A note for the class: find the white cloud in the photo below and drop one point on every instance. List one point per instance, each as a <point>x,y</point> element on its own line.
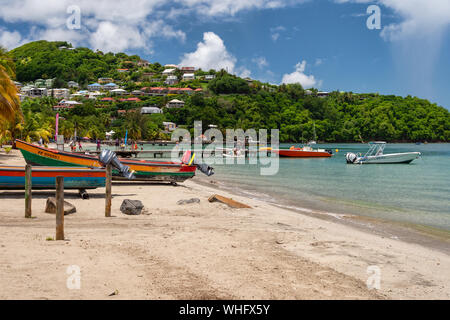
<point>10,40</point>
<point>416,39</point>
<point>108,25</point>
<point>112,37</point>
<point>419,17</point>
<point>318,62</point>
<point>243,72</point>
<point>211,53</point>
<point>298,76</point>
<point>275,32</point>
<point>261,62</point>
<point>231,7</point>
<point>118,24</point>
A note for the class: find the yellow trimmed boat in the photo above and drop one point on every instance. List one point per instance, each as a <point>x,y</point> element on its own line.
<point>143,170</point>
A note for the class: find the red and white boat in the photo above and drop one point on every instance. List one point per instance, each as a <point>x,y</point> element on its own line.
<point>305,152</point>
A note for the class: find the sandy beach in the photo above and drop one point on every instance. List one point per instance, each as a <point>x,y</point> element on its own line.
<point>203,251</point>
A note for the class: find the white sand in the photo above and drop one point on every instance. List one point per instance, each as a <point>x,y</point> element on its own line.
<point>202,251</point>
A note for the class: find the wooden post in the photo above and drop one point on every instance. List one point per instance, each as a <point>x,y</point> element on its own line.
<point>108,191</point>
<point>59,208</point>
<point>28,195</point>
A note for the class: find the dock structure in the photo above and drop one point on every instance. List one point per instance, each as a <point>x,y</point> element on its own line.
<point>164,153</point>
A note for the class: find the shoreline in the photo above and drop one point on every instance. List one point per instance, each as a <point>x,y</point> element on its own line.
<point>204,251</point>
<point>434,238</point>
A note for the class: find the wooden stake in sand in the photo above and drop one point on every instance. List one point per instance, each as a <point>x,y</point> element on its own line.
<point>28,196</point>
<point>228,201</point>
<point>108,191</point>
<point>59,208</point>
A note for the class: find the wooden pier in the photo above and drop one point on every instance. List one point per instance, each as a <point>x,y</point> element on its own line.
<point>162,153</point>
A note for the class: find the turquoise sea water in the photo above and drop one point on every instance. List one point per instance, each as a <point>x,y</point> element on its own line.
<point>417,193</point>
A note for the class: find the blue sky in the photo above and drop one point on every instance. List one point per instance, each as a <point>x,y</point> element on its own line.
<point>320,43</point>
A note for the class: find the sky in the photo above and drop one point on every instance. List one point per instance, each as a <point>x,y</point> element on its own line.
<point>325,44</point>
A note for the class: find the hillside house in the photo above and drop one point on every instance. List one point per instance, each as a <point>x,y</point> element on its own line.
<point>175,103</point>
<point>188,70</point>
<point>105,80</point>
<point>143,63</point>
<point>151,110</point>
<point>168,72</point>
<point>95,87</point>
<point>37,92</point>
<point>171,80</point>
<point>66,104</point>
<point>49,83</point>
<point>39,83</point>
<point>188,77</point>
<point>110,86</point>
<point>323,94</point>
<point>169,126</point>
<point>73,84</point>
<point>171,66</point>
<point>59,93</point>
<point>119,92</point>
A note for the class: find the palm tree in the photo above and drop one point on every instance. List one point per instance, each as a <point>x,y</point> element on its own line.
<point>9,99</point>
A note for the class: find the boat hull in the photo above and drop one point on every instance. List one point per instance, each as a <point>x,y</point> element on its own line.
<point>393,158</point>
<point>302,154</point>
<point>13,178</point>
<point>144,170</point>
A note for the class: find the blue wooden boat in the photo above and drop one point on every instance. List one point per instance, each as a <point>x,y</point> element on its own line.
<point>13,178</point>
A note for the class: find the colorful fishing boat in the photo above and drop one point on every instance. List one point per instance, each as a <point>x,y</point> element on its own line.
<point>13,178</point>
<point>305,152</point>
<point>143,170</point>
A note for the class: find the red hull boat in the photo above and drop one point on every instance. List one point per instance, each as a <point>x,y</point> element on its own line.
<point>305,152</point>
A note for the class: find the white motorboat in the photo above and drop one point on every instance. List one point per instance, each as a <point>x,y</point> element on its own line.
<point>376,155</point>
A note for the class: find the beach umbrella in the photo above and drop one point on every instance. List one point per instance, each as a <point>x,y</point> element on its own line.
<point>126,137</point>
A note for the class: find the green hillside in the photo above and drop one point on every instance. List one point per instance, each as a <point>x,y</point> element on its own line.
<point>45,60</point>
<point>228,102</point>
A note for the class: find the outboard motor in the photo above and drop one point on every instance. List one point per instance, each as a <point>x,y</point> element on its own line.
<point>203,167</point>
<point>351,157</point>
<point>109,157</point>
<point>189,159</point>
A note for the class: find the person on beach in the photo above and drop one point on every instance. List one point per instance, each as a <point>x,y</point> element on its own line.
<point>117,144</point>
<point>98,145</point>
<point>72,145</point>
<point>80,148</point>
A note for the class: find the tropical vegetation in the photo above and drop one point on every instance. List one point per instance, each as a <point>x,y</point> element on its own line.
<point>226,102</point>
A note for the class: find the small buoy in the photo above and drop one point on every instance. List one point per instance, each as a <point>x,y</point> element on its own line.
<point>337,150</point>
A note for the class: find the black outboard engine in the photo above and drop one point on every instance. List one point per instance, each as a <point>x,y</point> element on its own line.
<point>203,167</point>
<point>109,157</point>
<point>351,157</point>
<point>189,159</point>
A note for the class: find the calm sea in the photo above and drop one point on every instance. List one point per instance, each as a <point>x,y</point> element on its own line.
<point>416,193</point>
